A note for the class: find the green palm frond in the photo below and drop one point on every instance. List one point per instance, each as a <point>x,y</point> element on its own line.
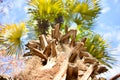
<point>99,49</point>
<point>12,37</point>
<point>44,12</point>
<point>46,9</point>
<point>85,12</point>
<point>96,46</point>
<point>81,12</point>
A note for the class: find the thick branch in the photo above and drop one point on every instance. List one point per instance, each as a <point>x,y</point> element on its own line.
<point>53,49</point>
<point>72,72</point>
<point>43,41</point>
<point>67,36</point>
<point>37,52</point>
<point>88,73</point>
<point>57,32</point>
<point>47,50</point>
<point>90,60</point>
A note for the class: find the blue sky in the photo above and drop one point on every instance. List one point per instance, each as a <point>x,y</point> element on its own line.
<point>107,24</point>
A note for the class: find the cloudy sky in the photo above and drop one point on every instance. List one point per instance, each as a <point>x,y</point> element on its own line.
<point>108,24</point>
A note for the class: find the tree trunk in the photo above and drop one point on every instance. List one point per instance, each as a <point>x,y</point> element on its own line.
<point>60,57</point>
<point>43,26</point>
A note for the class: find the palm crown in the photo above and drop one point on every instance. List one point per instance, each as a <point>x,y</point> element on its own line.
<point>48,12</point>
<point>11,36</point>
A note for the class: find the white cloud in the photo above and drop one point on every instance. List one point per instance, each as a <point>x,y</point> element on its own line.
<point>105,10</point>
<point>117,51</point>
<point>108,35</point>
<point>6,10</point>
<point>112,34</point>
<point>116,67</point>
<point>109,32</point>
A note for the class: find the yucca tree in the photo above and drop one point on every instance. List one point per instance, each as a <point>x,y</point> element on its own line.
<point>11,37</point>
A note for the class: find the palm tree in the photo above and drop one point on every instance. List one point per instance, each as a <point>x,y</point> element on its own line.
<point>45,13</point>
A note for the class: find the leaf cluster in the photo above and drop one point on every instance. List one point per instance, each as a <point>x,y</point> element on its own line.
<point>11,36</point>
<point>80,12</point>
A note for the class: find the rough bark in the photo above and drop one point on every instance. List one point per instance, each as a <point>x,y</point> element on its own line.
<point>60,57</point>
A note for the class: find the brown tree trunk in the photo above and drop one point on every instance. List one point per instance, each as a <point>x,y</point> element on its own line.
<point>60,57</point>
<point>43,26</point>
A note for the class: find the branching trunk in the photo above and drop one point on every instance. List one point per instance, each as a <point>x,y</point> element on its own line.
<point>60,57</point>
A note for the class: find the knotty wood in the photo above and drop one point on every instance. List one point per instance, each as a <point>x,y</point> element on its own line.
<point>84,54</point>
<point>53,33</point>
<point>34,44</point>
<point>72,72</point>
<point>73,57</point>
<point>66,31</point>
<point>90,60</point>
<point>37,52</point>
<point>62,71</point>
<point>27,54</point>
<point>47,50</point>
<point>72,43</point>
<point>101,69</point>
<point>87,73</point>
<point>65,37</point>
<point>75,63</point>
<point>43,41</point>
<point>81,65</point>
<point>76,51</point>
<point>57,32</point>
<point>53,49</point>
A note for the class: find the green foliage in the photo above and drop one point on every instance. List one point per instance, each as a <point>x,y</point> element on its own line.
<point>45,12</point>
<point>82,12</point>
<point>50,12</point>
<point>46,9</point>
<point>96,46</point>
<point>11,37</point>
